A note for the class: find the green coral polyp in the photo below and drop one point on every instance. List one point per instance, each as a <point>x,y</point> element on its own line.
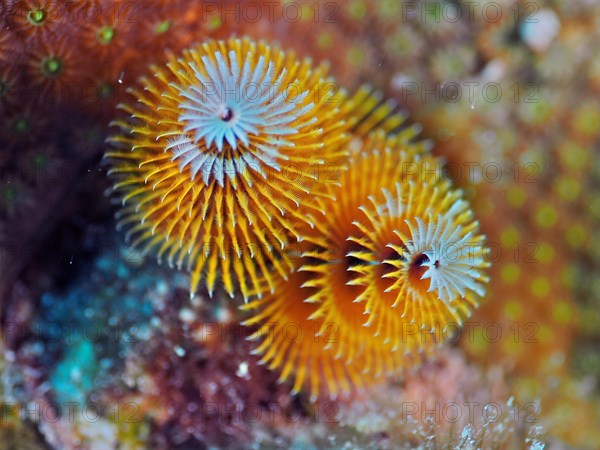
<point>37,17</point>
<point>10,194</point>
<point>106,90</point>
<point>52,66</point>
<point>40,161</point>
<point>21,125</point>
<point>162,27</point>
<point>106,35</point>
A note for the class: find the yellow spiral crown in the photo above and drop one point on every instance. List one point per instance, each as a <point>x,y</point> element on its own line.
<point>224,155</point>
